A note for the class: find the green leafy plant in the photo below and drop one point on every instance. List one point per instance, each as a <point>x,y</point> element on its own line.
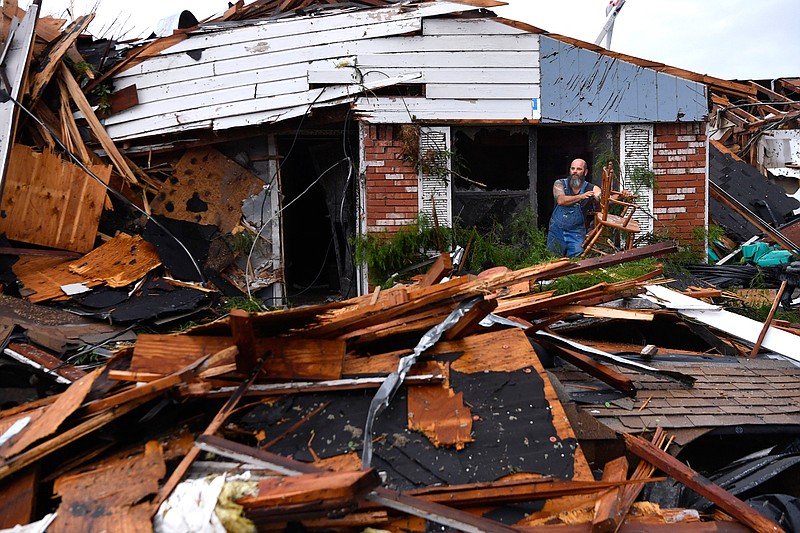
<point>103,94</point>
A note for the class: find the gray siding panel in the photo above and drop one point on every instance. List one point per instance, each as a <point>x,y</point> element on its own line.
<point>580,85</point>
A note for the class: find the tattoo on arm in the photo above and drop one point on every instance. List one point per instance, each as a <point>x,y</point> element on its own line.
<point>558,189</point>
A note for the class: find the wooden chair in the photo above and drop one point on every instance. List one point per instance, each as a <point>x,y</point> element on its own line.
<point>604,220</point>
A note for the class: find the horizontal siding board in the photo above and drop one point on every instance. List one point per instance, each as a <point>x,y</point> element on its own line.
<point>495,91</point>
<point>164,77</point>
<point>448,59</point>
<point>455,43</point>
<point>178,105</point>
<point>462,26</point>
<point>276,77</point>
<point>401,110</point>
<point>466,75</point>
<point>497,77</point>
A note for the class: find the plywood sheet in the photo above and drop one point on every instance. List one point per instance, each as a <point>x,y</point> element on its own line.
<point>119,262</point>
<point>207,188</point>
<point>51,202</point>
<point>42,277</point>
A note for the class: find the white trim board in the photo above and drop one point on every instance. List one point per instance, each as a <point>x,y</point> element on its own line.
<point>741,327</point>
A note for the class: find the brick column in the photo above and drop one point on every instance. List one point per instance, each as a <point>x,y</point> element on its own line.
<point>391,183</point>
<point>679,163</point>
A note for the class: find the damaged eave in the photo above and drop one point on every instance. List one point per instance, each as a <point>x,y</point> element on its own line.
<point>251,74</point>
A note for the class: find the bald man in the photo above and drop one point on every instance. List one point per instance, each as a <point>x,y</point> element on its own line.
<point>574,198</point>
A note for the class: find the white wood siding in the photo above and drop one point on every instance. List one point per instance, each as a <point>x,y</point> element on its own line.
<point>637,152</point>
<point>270,71</point>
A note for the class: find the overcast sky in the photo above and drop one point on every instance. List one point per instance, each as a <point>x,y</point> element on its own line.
<point>732,39</point>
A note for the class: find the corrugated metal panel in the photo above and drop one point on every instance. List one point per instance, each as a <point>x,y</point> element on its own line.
<point>434,188</point>
<point>637,152</point>
<point>580,85</point>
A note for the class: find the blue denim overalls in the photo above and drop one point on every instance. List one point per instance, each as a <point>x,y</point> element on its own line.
<point>567,224</point>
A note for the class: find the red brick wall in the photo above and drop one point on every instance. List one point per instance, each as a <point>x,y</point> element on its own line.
<point>391,182</point>
<point>679,162</point>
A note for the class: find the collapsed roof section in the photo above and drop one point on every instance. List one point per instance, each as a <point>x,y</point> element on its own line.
<point>763,127</point>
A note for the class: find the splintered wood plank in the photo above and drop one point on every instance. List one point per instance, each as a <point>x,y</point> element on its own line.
<point>470,322</point>
<point>107,498</point>
<point>324,490</point>
<point>437,271</point>
<point>52,417</point>
<point>290,358</point>
<point>49,64</point>
<point>441,415</point>
<point>207,188</point>
<point>608,512</point>
<point>119,262</point>
<point>49,364</point>
<point>723,499</point>
<point>94,124</point>
<point>66,437</point>
<point>50,201</point>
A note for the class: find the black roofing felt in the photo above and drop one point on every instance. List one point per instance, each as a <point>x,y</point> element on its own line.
<point>513,432</point>
<point>749,187</point>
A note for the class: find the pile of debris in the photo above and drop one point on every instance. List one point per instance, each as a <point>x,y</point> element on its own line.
<point>474,402</point>
<point>420,403</point>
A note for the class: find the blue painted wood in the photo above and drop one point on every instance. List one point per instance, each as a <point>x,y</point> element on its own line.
<point>580,85</point>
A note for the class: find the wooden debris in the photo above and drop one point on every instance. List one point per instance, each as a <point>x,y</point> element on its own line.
<point>287,498</point>
<point>607,512</point>
<point>119,262</point>
<point>438,271</point>
<point>49,418</point>
<point>31,355</point>
<point>291,358</point>
<point>42,183</point>
<point>49,65</point>
<point>440,414</point>
<point>97,129</point>
<point>18,498</point>
<point>207,188</point>
<point>768,321</point>
<point>593,368</point>
<point>701,485</point>
<point>97,500</point>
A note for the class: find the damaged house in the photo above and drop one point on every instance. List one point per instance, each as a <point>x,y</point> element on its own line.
<point>350,119</point>
<point>246,151</point>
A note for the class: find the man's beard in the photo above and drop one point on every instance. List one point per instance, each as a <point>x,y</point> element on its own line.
<point>575,182</point>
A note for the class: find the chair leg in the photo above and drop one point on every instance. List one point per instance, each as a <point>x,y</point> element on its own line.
<point>628,240</point>
<point>598,230</point>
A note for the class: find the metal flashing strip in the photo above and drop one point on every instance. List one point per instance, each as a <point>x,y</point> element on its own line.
<point>394,380</point>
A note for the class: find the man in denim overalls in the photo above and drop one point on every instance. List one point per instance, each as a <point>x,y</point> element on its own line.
<point>574,199</point>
